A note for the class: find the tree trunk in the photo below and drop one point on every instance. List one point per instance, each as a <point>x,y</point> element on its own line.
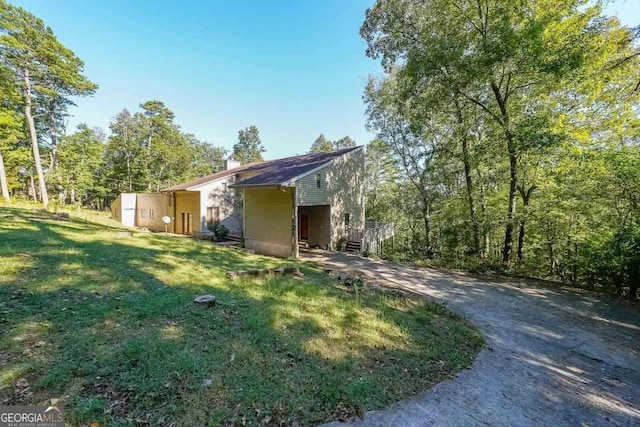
<point>34,140</point>
<point>3,181</point>
<point>469,181</point>
<point>129,174</point>
<point>486,249</point>
<point>552,259</point>
<point>426,215</point>
<point>526,197</point>
<point>32,189</point>
<point>513,174</point>
<point>73,196</point>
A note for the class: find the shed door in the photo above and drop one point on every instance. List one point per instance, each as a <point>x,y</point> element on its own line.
<point>186,223</point>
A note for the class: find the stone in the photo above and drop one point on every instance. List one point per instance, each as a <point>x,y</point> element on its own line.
<point>63,215</point>
<point>232,275</point>
<point>397,292</point>
<point>205,300</point>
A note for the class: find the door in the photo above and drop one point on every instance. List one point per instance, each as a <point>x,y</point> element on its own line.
<point>303,226</point>
<point>186,223</point>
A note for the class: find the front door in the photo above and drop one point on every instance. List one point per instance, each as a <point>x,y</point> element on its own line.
<point>186,223</point>
<point>303,226</point>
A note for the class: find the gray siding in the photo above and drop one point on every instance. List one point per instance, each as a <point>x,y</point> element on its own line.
<point>308,192</point>
<point>342,187</point>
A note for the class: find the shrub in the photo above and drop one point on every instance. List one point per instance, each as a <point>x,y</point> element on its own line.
<point>220,232</point>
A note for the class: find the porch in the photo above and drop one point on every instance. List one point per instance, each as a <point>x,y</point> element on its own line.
<point>371,238</point>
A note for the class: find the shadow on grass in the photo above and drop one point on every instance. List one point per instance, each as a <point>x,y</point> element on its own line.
<point>106,324</point>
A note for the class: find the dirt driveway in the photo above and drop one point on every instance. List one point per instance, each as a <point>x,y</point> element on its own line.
<point>553,358</point>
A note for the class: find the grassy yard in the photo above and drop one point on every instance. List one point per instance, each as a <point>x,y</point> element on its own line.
<point>103,323</point>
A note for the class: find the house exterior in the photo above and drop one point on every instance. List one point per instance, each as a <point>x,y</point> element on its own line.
<point>142,210</point>
<point>271,206</point>
<point>313,198</point>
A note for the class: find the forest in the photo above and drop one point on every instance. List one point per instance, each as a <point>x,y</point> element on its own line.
<point>507,135</point>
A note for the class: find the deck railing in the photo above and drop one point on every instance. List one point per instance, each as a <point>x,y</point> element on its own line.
<point>372,236</point>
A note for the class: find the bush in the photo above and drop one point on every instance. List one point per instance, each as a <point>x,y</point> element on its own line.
<point>220,232</point>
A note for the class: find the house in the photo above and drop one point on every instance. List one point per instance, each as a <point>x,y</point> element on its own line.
<point>272,206</point>
<point>143,210</point>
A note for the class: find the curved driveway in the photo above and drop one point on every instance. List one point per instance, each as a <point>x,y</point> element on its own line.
<point>552,357</point>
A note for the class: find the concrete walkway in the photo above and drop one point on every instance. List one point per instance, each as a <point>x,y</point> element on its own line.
<point>553,357</point>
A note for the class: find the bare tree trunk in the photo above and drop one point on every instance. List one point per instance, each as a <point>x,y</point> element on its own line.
<point>73,196</point>
<point>511,213</point>
<point>34,140</point>
<point>526,197</point>
<point>513,174</point>
<point>129,174</point>
<point>32,188</point>
<point>469,181</point>
<point>3,181</point>
<point>426,214</point>
<point>552,259</point>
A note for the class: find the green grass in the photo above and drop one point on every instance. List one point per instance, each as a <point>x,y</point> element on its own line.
<point>103,323</point>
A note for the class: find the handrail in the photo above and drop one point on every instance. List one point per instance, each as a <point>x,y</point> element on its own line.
<point>372,236</point>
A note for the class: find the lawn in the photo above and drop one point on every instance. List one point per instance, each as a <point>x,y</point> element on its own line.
<point>103,322</point>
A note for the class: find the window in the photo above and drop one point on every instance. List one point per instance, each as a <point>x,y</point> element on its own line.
<point>213,213</point>
<point>224,187</point>
<point>143,213</point>
<point>347,218</point>
<point>151,214</point>
<point>319,180</point>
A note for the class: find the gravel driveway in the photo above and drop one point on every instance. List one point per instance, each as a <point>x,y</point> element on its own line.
<point>553,357</point>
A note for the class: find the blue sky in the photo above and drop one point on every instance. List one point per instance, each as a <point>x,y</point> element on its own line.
<point>294,69</point>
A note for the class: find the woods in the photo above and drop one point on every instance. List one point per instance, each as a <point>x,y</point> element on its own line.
<point>39,156</point>
<point>510,129</point>
<point>506,135</point>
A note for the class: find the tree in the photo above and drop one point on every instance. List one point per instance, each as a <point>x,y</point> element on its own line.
<point>321,145</point>
<point>503,57</point>
<point>47,70</point>
<point>345,142</point>
<point>9,124</point>
<point>249,148</point>
<point>126,159</point>
<point>80,163</point>
<point>207,158</point>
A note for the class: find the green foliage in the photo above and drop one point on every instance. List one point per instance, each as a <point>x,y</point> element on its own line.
<point>219,230</point>
<point>323,145</point>
<point>249,148</point>
<point>512,128</point>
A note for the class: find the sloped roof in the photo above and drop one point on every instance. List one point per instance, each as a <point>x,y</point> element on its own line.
<point>271,172</point>
<point>282,171</point>
<point>209,178</point>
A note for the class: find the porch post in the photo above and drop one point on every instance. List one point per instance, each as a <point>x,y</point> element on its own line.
<point>294,224</point>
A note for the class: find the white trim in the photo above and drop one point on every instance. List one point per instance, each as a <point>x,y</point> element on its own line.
<point>193,188</point>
